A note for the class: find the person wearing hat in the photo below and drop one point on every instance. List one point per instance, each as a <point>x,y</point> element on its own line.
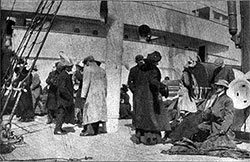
<point>78,75</point>
<point>51,103</point>
<point>132,78</point>
<point>65,97</point>
<point>218,112</point>
<point>222,72</point>
<point>149,120</point>
<point>94,93</point>
<point>24,108</point>
<point>36,90</point>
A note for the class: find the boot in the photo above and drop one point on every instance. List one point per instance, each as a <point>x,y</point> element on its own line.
<point>88,131</point>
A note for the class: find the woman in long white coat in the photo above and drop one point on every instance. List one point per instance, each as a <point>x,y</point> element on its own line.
<point>94,90</point>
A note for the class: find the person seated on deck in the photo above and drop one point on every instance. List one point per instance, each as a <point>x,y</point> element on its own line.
<point>214,116</point>
<point>218,112</point>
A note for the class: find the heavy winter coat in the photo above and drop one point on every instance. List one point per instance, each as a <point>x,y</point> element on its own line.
<point>65,96</point>
<point>25,106</point>
<point>94,89</point>
<point>132,82</point>
<point>132,78</point>
<point>149,112</point>
<point>51,103</point>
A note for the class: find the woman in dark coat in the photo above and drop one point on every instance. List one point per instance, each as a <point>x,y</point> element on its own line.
<point>149,117</point>
<point>25,106</point>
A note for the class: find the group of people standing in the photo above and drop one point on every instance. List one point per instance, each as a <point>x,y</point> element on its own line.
<point>89,101</point>
<point>29,84</point>
<point>87,104</point>
<point>214,114</point>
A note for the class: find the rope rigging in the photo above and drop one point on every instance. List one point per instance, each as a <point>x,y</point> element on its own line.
<point>9,88</point>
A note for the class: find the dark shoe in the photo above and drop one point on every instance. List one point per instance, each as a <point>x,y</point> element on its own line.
<point>59,132</point>
<point>135,139</point>
<point>101,130</point>
<point>86,134</point>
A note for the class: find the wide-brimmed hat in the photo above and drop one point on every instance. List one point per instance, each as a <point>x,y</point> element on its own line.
<point>65,60</point>
<point>222,82</point>
<point>154,57</point>
<point>91,59</point>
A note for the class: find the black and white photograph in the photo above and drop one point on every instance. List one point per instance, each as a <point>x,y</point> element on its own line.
<point>124,80</point>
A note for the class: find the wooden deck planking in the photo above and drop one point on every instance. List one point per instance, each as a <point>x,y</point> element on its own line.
<point>43,144</point>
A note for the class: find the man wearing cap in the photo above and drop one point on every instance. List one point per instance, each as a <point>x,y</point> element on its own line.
<point>218,112</point>
<point>132,78</point>
<point>222,72</point>
<point>149,118</point>
<point>65,97</point>
<point>94,92</point>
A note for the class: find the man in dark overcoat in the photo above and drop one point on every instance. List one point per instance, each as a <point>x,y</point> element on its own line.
<point>51,103</point>
<point>149,117</point>
<point>65,98</point>
<point>132,79</point>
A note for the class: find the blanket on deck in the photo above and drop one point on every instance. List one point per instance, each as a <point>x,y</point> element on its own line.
<point>215,145</point>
